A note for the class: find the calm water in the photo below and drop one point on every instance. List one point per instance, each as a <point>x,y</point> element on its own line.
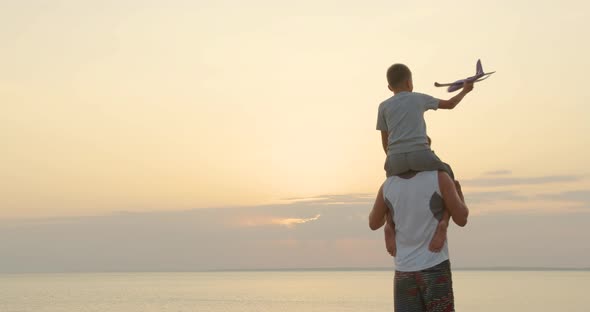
<point>484,291</point>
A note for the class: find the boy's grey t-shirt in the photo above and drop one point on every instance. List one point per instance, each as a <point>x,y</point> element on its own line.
<point>402,116</point>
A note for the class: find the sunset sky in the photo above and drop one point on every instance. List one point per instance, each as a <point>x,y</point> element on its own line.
<point>194,125</point>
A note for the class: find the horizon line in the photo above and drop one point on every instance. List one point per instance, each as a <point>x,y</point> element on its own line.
<point>329,269</point>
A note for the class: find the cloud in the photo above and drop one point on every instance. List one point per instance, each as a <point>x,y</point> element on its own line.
<point>498,192</point>
<point>204,239</point>
<point>266,220</point>
<point>498,172</point>
<point>581,197</point>
<point>295,235</point>
<point>518,181</point>
<point>321,231</point>
<point>494,196</point>
<point>289,222</point>
<point>334,199</point>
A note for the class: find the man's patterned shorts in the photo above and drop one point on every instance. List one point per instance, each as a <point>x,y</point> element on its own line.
<point>429,290</point>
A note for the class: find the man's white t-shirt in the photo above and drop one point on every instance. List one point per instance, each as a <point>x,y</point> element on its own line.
<point>402,116</point>
<point>417,206</point>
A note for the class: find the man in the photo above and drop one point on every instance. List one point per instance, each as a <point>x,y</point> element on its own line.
<point>415,201</point>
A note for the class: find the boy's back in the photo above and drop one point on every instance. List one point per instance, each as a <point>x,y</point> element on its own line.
<point>403,130</point>
<point>402,117</point>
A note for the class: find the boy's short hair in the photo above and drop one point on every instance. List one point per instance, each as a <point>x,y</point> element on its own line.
<point>398,74</point>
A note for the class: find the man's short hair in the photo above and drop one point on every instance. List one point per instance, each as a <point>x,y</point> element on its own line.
<point>398,74</point>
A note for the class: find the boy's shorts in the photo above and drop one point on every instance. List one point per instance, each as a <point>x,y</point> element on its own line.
<point>429,290</point>
<point>424,160</point>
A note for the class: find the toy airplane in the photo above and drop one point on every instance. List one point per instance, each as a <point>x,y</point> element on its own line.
<point>479,76</point>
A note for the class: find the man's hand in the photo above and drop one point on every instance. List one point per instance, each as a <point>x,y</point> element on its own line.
<point>467,86</point>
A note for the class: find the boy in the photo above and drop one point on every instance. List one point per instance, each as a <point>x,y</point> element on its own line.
<point>403,133</point>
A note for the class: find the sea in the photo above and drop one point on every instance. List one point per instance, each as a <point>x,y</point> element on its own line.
<point>288,291</point>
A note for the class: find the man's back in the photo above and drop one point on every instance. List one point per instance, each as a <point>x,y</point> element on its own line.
<point>416,206</point>
<point>409,198</point>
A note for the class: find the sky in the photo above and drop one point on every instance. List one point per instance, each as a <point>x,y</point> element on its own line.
<point>197,135</point>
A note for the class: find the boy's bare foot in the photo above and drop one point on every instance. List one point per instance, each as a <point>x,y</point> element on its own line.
<point>439,237</point>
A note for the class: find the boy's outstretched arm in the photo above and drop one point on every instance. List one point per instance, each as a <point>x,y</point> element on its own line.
<point>452,102</point>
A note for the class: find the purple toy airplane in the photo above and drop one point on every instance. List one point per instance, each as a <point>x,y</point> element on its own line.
<point>479,76</point>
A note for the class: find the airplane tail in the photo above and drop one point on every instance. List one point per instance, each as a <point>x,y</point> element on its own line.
<point>478,68</point>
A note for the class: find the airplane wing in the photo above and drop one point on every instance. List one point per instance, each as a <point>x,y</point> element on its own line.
<point>454,86</point>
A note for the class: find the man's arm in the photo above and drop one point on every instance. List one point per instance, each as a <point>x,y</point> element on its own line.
<point>452,102</point>
<point>379,211</point>
<point>453,199</point>
<point>384,140</point>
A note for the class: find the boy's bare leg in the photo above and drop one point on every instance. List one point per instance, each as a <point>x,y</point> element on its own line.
<point>390,236</point>
<point>440,236</point>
